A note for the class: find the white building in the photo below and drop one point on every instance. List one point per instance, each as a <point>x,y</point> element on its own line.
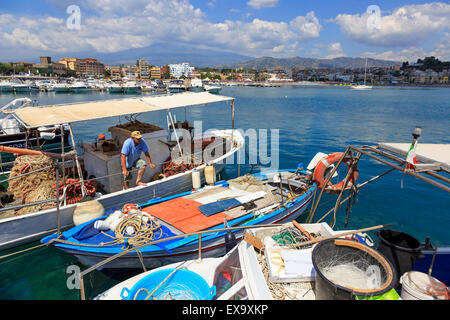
<point>177,70</point>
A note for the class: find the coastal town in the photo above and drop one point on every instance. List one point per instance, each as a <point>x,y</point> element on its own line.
<point>426,72</point>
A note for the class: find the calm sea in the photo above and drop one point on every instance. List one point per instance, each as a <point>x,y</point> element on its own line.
<point>309,119</point>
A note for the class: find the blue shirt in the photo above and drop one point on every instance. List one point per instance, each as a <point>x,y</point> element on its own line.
<point>133,152</point>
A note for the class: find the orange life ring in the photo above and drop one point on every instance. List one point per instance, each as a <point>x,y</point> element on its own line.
<point>128,208</point>
<point>324,163</point>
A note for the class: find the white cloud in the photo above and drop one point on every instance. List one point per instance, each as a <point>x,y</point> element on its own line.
<point>143,22</point>
<point>409,54</point>
<point>441,51</point>
<point>335,50</point>
<point>258,4</point>
<point>405,26</point>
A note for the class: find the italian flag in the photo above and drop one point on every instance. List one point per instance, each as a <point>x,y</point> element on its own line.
<point>411,156</point>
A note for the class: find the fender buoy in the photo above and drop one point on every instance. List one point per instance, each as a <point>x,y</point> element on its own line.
<point>326,162</point>
<point>128,208</point>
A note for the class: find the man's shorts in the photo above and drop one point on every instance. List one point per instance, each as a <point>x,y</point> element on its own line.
<point>138,164</point>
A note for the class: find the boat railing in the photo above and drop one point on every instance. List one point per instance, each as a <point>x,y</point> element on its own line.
<point>83,273</point>
<point>401,165</point>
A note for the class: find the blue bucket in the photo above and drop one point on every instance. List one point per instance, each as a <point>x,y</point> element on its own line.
<point>181,285</point>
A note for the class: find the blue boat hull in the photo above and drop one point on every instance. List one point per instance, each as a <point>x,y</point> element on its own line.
<point>213,244</point>
<point>441,266</point>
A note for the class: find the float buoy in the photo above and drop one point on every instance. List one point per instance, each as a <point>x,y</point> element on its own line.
<point>324,164</point>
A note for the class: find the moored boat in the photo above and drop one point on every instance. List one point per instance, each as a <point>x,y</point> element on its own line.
<point>16,230</point>
<point>263,198</point>
<point>212,88</point>
<point>196,85</point>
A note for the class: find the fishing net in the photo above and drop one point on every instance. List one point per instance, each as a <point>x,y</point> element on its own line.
<point>291,237</point>
<point>34,187</point>
<point>350,267</point>
<point>249,183</point>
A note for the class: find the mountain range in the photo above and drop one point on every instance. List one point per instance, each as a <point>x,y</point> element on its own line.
<point>161,54</point>
<point>300,63</point>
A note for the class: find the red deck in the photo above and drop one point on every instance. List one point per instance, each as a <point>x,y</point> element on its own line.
<point>184,215</point>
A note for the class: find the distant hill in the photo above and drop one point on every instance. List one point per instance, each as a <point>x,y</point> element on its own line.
<point>162,54</point>
<point>298,62</point>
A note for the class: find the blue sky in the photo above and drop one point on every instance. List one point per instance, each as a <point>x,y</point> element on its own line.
<point>403,30</point>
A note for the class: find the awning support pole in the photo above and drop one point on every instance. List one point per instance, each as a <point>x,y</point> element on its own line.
<point>175,131</point>
<point>83,188</point>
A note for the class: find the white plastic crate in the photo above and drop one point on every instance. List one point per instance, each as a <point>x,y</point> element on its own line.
<point>274,253</point>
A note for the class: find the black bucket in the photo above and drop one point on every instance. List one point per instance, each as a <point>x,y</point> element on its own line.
<point>337,252</point>
<point>399,248</point>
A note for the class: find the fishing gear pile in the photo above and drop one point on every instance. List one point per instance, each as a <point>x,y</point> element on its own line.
<point>35,186</point>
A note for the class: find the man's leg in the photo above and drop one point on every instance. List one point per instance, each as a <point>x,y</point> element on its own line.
<point>140,165</point>
<point>126,180</point>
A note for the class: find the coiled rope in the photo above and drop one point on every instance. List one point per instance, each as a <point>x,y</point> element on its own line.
<point>145,228</point>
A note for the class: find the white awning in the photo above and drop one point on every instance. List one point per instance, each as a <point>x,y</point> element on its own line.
<point>427,153</point>
<point>68,113</point>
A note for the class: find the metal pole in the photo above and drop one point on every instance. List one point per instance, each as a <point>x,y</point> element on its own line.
<point>409,172</point>
<point>326,183</point>
<point>83,189</point>
<point>200,247</point>
<point>175,131</point>
<point>338,201</point>
<point>58,217</point>
<point>63,151</point>
<point>232,119</point>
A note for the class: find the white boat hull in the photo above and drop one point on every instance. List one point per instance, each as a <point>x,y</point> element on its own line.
<point>15,231</point>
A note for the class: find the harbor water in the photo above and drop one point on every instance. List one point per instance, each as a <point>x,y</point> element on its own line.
<point>303,120</point>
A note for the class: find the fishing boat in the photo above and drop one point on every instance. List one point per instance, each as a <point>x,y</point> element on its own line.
<point>363,86</point>
<point>196,85</point>
<point>245,272</point>
<point>14,134</point>
<point>104,166</point>
<point>262,198</point>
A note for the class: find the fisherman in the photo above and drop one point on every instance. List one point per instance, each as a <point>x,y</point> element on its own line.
<point>131,158</point>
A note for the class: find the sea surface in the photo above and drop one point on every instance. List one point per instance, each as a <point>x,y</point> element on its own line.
<point>297,122</point>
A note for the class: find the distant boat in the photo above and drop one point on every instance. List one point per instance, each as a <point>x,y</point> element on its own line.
<point>115,88</point>
<point>212,89</point>
<point>61,88</point>
<point>80,87</point>
<point>362,86</point>
<point>176,86</point>
<point>131,88</point>
<point>6,87</point>
<point>196,85</point>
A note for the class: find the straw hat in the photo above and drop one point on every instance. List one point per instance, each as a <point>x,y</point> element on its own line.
<point>136,134</point>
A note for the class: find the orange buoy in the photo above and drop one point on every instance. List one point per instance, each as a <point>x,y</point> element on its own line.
<point>326,162</point>
<point>128,208</point>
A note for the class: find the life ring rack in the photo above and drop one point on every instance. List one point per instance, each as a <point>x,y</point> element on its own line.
<point>319,175</point>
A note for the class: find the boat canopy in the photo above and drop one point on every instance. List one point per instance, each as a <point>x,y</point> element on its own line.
<point>57,114</point>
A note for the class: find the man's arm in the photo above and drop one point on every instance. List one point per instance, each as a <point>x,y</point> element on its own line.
<point>149,160</point>
<point>123,161</point>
